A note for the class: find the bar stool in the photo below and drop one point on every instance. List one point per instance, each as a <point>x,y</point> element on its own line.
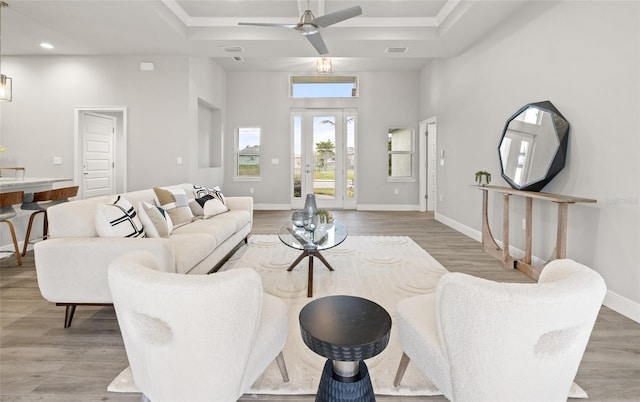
<point>7,201</point>
<point>48,198</point>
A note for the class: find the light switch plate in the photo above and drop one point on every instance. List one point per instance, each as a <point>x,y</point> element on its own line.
<point>57,160</point>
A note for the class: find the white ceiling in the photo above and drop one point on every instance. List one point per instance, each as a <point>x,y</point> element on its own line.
<point>428,28</point>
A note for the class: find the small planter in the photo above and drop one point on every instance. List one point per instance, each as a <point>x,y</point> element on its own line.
<point>480,174</point>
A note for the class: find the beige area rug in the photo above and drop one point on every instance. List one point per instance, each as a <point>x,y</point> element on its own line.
<point>380,268</point>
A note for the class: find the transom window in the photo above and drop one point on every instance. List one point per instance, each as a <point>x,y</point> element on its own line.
<point>323,86</point>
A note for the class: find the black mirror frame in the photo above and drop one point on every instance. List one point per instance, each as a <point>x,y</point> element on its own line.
<point>561,128</point>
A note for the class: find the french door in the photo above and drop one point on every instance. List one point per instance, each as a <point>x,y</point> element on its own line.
<point>323,143</point>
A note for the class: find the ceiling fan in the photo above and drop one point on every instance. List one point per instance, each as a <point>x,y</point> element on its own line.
<point>310,26</point>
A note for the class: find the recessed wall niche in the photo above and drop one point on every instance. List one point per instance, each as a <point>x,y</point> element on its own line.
<point>209,135</point>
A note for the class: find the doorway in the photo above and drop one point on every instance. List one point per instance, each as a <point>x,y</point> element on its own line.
<point>100,151</point>
<point>428,164</point>
<point>323,157</point>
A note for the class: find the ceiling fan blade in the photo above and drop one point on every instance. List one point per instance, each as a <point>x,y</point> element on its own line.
<point>265,24</point>
<point>333,18</point>
<point>318,43</point>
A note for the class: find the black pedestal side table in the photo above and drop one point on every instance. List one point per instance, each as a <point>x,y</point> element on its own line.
<point>346,330</point>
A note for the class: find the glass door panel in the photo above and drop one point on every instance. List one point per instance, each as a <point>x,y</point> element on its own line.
<point>323,180</point>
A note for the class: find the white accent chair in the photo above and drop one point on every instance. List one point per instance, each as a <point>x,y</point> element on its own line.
<point>195,337</point>
<point>479,340</point>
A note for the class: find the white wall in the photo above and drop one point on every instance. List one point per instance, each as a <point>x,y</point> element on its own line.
<point>161,111</point>
<point>387,99</point>
<point>584,58</point>
<point>39,123</point>
<point>206,82</point>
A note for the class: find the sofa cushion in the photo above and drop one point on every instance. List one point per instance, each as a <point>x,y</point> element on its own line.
<point>174,201</point>
<point>220,229</point>
<point>155,220</point>
<point>191,248</point>
<point>118,219</point>
<point>239,217</point>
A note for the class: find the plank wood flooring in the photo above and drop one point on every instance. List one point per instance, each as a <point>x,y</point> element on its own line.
<point>42,361</point>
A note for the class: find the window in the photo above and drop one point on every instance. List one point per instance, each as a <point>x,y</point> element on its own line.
<point>323,86</point>
<point>248,152</point>
<point>400,147</point>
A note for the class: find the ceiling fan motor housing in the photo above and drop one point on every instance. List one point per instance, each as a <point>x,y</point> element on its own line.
<point>305,26</point>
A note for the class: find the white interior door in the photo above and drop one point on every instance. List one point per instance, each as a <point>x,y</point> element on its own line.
<point>97,139</point>
<point>432,165</point>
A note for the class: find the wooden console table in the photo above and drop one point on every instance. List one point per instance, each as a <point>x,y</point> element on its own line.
<point>524,264</point>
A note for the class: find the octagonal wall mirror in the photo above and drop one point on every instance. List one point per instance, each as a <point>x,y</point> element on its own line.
<point>533,147</point>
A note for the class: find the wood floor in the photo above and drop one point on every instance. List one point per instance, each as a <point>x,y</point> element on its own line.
<point>42,361</point>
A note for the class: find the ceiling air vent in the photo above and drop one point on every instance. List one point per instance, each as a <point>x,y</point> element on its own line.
<point>396,50</point>
<point>232,49</point>
<point>237,58</point>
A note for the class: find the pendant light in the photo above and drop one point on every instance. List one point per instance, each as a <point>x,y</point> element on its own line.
<point>324,65</point>
<point>5,82</point>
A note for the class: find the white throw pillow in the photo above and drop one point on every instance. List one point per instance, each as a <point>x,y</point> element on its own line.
<point>155,220</point>
<point>197,205</point>
<point>214,207</point>
<point>118,219</point>
<point>215,191</point>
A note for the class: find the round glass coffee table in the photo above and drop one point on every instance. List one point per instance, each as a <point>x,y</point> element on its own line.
<point>346,330</point>
<point>326,236</point>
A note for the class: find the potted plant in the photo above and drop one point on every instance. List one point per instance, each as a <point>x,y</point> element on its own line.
<point>483,173</point>
<point>325,217</point>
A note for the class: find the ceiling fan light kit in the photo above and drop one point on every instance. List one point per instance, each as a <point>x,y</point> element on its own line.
<point>310,26</point>
<point>5,82</point>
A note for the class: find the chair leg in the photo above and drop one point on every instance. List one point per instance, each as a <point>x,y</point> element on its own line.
<point>404,363</point>
<point>68,315</point>
<point>15,242</point>
<point>45,226</point>
<point>26,239</point>
<point>282,366</point>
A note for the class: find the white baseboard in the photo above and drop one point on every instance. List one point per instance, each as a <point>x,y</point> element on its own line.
<point>614,301</point>
<point>388,207</point>
<point>464,229</point>
<point>272,207</point>
<point>7,249</point>
<point>369,207</point>
<point>622,305</point>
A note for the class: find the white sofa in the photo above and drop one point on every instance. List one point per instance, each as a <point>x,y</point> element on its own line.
<point>72,263</point>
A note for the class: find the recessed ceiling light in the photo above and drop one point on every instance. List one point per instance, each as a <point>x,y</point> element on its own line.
<point>396,50</point>
<point>46,45</point>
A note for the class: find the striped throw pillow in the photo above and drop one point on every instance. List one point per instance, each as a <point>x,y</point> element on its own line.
<point>118,219</point>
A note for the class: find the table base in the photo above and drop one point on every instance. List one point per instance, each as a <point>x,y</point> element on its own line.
<point>334,388</point>
<point>310,253</point>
